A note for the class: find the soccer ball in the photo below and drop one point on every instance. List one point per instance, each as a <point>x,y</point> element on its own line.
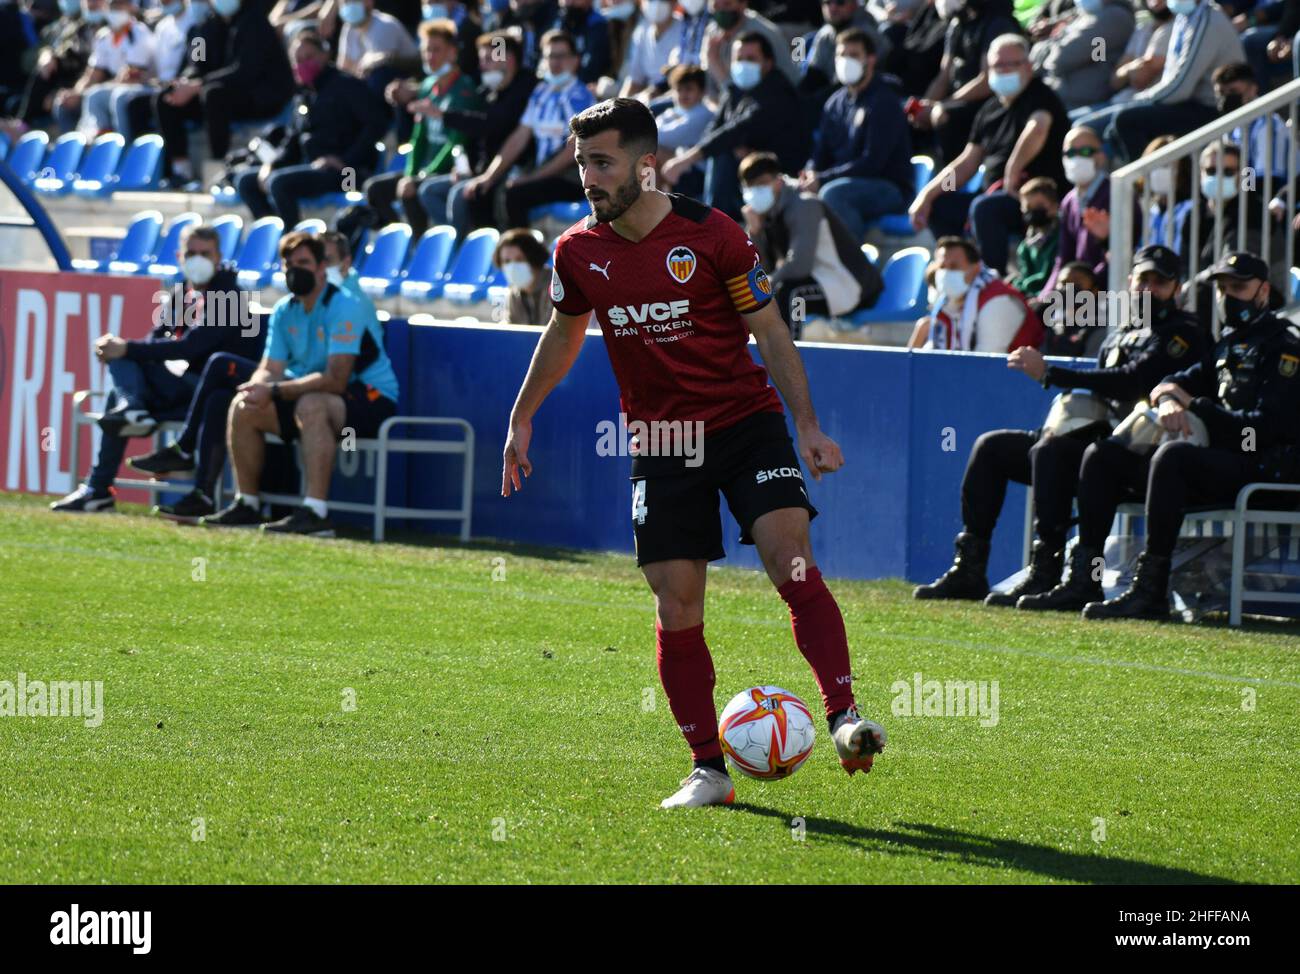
<point>766,732</point>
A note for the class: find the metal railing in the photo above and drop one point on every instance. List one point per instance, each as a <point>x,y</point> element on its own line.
<point>1123,238</point>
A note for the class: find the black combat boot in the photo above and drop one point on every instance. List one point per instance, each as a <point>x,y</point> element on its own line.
<point>1147,597</point>
<point>1044,573</point>
<point>968,576</point>
<point>1076,590</point>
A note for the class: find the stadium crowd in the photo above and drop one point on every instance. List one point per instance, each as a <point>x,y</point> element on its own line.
<point>799,120</point>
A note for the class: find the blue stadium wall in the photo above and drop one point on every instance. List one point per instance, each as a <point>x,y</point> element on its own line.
<point>905,420</point>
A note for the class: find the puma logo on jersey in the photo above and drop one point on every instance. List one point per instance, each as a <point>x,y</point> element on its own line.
<point>657,311</point>
<point>763,476</point>
<point>603,270</point>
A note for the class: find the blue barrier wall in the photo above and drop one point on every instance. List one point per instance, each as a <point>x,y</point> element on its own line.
<point>906,422</point>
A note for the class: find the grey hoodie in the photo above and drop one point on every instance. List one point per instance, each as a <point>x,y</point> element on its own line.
<point>1078,64</point>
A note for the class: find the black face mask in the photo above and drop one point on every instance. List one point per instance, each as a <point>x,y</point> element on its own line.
<point>299,280</point>
<point>1230,103</point>
<point>1239,312</point>
<point>1161,16</point>
<point>1038,217</point>
<point>1161,309</point>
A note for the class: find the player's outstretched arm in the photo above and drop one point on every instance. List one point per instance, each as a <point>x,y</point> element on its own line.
<point>818,451</point>
<point>555,354</point>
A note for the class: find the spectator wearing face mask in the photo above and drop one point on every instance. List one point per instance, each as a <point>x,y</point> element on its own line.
<point>529,20</point>
<point>1036,253</point>
<point>695,22</point>
<point>1075,323</point>
<point>861,163</point>
<point>374,46</point>
<point>504,94</point>
<point>820,269</point>
<point>653,41</point>
<point>522,259</point>
<point>1085,211</point>
<point>1202,40</point>
<point>1171,200</point>
<point>819,78</point>
<point>974,310</point>
<point>1069,64</point>
<point>433,142</point>
<point>916,46</point>
<point>732,19</point>
<point>682,124</point>
<point>122,55</point>
<point>590,33</point>
<point>65,47</point>
<point>759,111</point>
<point>1234,86</point>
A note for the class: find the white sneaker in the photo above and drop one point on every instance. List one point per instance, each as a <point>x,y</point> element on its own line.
<point>857,740</point>
<point>703,786</point>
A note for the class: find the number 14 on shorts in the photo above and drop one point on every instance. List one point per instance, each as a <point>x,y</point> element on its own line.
<point>639,510</point>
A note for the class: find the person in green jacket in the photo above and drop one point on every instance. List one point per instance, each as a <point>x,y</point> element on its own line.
<point>433,145</point>
<point>1039,204</point>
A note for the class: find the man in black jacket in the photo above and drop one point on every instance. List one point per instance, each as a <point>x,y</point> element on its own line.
<point>194,323</point>
<point>330,144</point>
<point>759,111</point>
<point>1133,358</point>
<point>254,81</point>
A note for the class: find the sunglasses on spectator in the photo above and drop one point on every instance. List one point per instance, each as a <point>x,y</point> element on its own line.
<point>1083,152</point>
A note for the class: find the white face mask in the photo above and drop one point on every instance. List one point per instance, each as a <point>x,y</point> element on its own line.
<point>849,70</point>
<point>948,8</point>
<point>951,283</point>
<point>117,19</point>
<point>1161,181</point>
<point>519,273</point>
<point>493,79</point>
<point>692,7</point>
<point>759,198</point>
<point>618,11</point>
<point>1079,170</point>
<point>1210,187</point>
<point>198,270</point>
<point>657,11</point>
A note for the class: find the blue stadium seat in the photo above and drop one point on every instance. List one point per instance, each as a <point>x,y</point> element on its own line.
<point>4,145</point>
<point>162,262</point>
<point>976,181</point>
<point>424,277</point>
<point>566,213</point>
<point>900,224</point>
<point>141,168</point>
<point>471,271</point>
<point>229,227</point>
<point>380,268</point>
<point>258,258</point>
<point>314,225</point>
<point>95,174</point>
<point>141,239</point>
<point>225,196</point>
<point>1295,284</point>
<point>60,167</point>
<point>398,162</point>
<point>904,296</point>
<point>28,155</point>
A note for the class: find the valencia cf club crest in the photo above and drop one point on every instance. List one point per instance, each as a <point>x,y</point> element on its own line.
<point>681,264</point>
<point>760,283</point>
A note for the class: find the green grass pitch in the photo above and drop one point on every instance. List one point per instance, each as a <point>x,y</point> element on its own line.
<point>509,726</point>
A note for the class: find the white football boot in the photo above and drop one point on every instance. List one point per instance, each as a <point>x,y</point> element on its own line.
<point>703,786</point>
<point>857,740</point>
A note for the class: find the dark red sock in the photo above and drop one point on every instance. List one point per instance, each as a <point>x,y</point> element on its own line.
<point>819,634</point>
<point>686,671</point>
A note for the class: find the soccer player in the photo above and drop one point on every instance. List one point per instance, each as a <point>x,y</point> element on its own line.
<point>677,288</point>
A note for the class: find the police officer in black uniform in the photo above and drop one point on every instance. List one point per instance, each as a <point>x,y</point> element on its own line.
<point>1132,359</point>
<point>1247,393</point>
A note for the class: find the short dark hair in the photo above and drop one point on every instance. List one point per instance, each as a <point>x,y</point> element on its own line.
<point>551,36</point>
<point>856,35</point>
<point>756,165</point>
<point>1227,74</point>
<point>523,238</point>
<point>1043,185</point>
<point>754,37</point>
<point>632,120</point>
<point>687,74</point>
<point>340,242</point>
<point>965,243</point>
<point>504,39</point>
<point>1082,267</point>
<point>200,232</point>
<point>300,238</point>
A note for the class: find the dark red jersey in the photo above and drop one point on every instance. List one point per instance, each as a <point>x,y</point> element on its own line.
<point>670,306</point>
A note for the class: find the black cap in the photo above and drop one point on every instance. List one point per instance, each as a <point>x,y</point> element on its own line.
<point>1158,258</point>
<point>1240,265</point>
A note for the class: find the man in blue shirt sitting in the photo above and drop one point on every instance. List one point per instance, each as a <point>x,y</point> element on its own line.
<point>324,375</point>
<point>861,163</point>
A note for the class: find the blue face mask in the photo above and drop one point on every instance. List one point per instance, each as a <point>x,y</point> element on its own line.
<point>434,11</point>
<point>226,8</point>
<point>1184,7</point>
<point>438,73</point>
<point>173,9</point>
<point>746,74</point>
<point>200,9</point>
<point>69,8</point>
<point>99,16</point>
<point>1005,85</point>
<point>352,13</point>
<point>561,80</point>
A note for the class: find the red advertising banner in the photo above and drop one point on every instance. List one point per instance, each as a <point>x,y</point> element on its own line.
<point>49,323</point>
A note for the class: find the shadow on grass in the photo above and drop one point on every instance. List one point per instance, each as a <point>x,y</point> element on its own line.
<point>969,848</point>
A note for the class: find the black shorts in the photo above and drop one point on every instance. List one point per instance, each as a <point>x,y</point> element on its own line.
<point>365,410</point>
<point>675,510</point>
